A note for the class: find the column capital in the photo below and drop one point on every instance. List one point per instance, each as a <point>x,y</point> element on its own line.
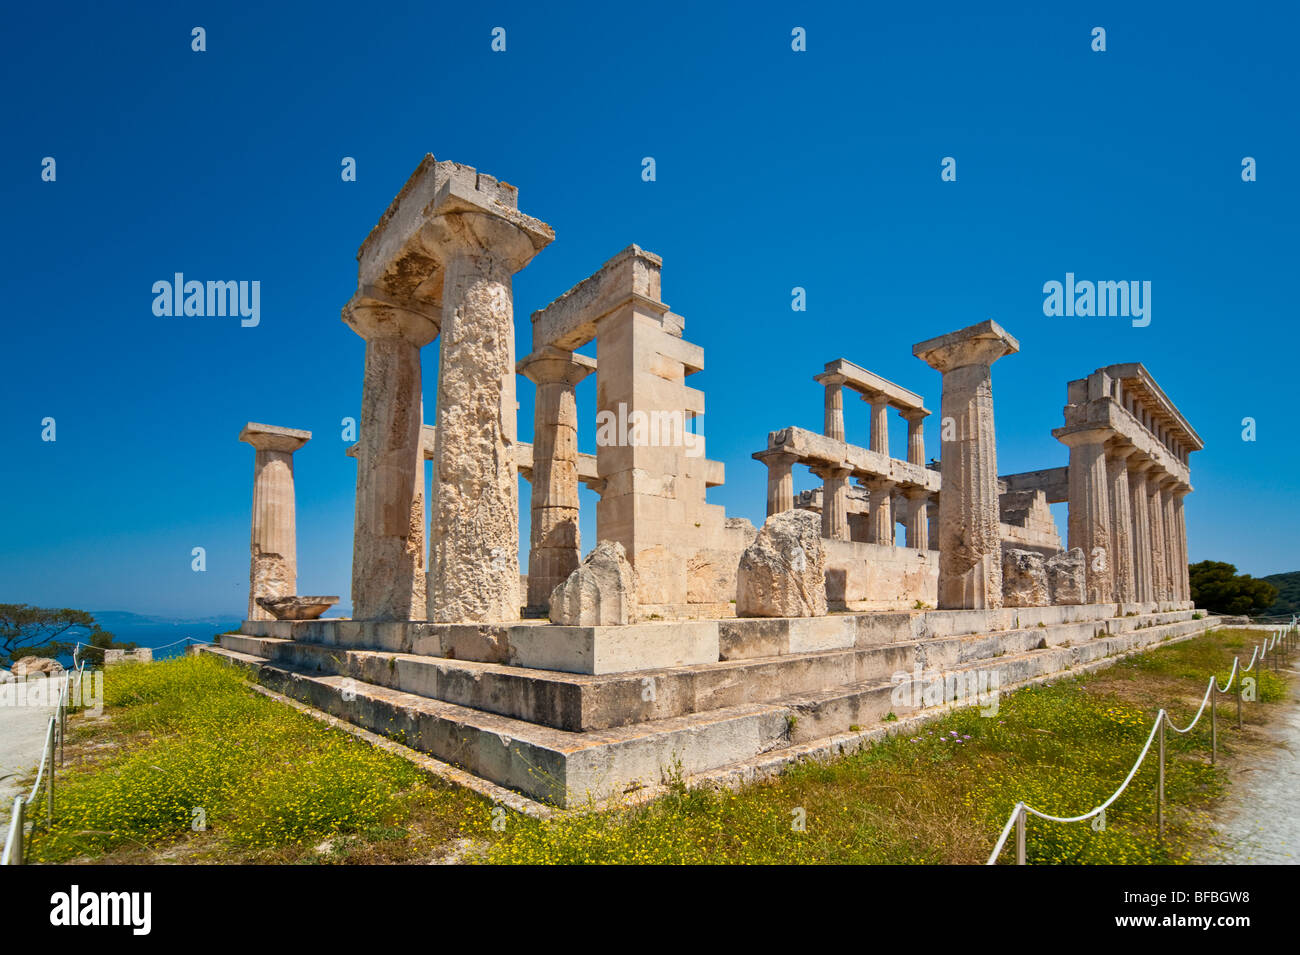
<point>914,492</point>
<point>549,364</point>
<point>830,379</point>
<point>1140,463</point>
<point>832,471</point>
<point>914,416</point>
<point>371,316</point>
<point>1082,437</point>
<point>775,456</point>
<point>980,344</point>
<point>1120,451</point>
<point>266,437</point>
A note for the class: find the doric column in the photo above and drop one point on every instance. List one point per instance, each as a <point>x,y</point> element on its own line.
<point>834,417</point>
<point>915,437</point>
<point>1155,515</point>
<point>1139,509</point>
<point>970,549</point>
<point>1172,550</point>
<point>1121,523</point>
<point>918,522</point>
<point>835,501</point>
<point>780,480</point>
<point>881,527</point>
<point>388,553</point>
<point>273,570</point>
<point>879,423</point>
<point>1089,514</point>
<point>1180,531</point>
<point>555,548</point>
<point>475,562</point>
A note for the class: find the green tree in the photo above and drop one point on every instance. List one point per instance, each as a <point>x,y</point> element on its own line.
<point>1218,588</point>
<point>33,631</point>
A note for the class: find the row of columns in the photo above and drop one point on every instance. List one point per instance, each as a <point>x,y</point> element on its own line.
<point>1126,513</point>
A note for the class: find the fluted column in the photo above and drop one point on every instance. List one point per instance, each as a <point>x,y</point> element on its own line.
<point>273,567</point>
<point>388,553</point>
<point>1121,523</point>
<point>918,522</point>
<point>1089,516</point>
<point>835,502</point>
<point>881,527</point>
<point>916,437</point>
<point>555,547</point>
<point>1139,509</point>
<point>1155,513</point>
<point>780,480</point>
<point>834,406</point>
<point>1180,529</point>
<point>879,423</point>
<point>970,547</point>
<point>1172,550</point>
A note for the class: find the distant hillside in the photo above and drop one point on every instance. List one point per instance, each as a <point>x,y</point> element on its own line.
<point>1288,592</point>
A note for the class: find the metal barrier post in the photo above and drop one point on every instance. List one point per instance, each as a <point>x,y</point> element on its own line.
<point>1160,799</point>
<point>1214,725</point>
<point>1020,837</point>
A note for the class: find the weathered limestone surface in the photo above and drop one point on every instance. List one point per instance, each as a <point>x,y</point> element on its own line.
<point>1024,579</point>
<point>601,592</point>
<point>1066,579</point>
<point>1121,523</point>
<point>273,568</point>
<point>783,573</point>
<point>1090,522</point>
<point>970,549</point>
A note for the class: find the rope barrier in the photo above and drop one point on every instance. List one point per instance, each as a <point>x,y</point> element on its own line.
<point>1022,809</point>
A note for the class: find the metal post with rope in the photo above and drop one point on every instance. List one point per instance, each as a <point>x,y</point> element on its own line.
<point>1022,810</point>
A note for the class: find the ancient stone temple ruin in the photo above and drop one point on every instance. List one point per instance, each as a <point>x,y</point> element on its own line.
<point>681,640</point>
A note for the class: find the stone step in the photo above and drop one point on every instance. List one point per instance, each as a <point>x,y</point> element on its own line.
<point>569,768</point>
<point>577,702</point>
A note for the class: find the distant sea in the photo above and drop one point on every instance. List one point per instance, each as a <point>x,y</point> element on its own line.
<point>156,632</point>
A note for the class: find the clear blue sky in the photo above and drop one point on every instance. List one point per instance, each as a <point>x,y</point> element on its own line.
<point>775,169</point>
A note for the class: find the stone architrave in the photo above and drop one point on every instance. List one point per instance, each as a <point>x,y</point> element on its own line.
<point>1066,579</point>
<point>1024,579</point>
<point>600,592</point>
<point>1089,526</point>
<point>780,479</point>
<point>1121,523</point>
<point>555,547</point>
<point>273,570</point>
<point>970,548</point>
<point>783,572</point>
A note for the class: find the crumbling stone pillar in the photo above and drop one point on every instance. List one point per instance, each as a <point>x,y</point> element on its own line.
<point>1144,584</point>
<point>918,522</point>
<point>1121,523</point>
<point>555,549</point>
<point>780,480</point>
<point>882,511</point>
<point>1089,519</point>
<point>388,554</point>
<point>970,548</point>
<point>273,570</point>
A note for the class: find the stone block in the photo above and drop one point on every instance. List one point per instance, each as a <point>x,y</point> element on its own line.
<point>783,573</point>
<point>1024,579</point>
<point>1065,577</point>
<point>601,592</point>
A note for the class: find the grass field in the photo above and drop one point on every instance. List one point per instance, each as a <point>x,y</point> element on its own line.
<point>188,764</point>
